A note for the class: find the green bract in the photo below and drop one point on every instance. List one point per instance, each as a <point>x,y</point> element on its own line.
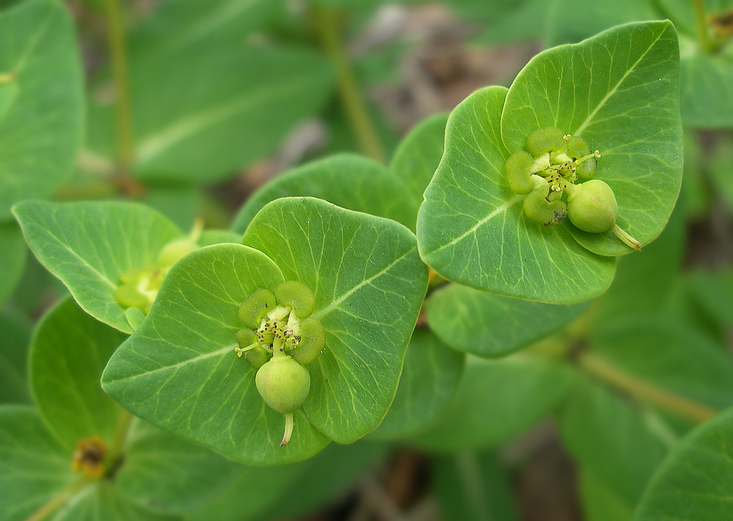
<point>368,284</point>
<point>627,108</point>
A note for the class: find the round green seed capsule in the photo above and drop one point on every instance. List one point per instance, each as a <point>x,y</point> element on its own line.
<point>128,296</point>
<point>516,172</point>
<point>175,251</point>
<point>312,341</point>
<point>296,295</point>
<point>283,383</point>
<point>138,273</point>
<point>255,307</point>
<point>592,207</point>
<point>544,140</point>
<point>577,147</point>
<point>540,210</point>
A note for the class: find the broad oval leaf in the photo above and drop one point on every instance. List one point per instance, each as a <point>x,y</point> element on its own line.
<point>419,153</point>
<point>490,325</point>
<point>68,353</point>
<point>496,401</point>
<point>369,285</point>
<point>600,502</point>
<point>88,245</point>
<point>34,466</point>
<point>41,122</point>
<point>13,258</point>
<point>429,381</point>
<point>620,92</point>
<point>346,180</point>
<point>696,479</point>
<point>472,230</point>
<point>16,331</point>
<point>179,370</point>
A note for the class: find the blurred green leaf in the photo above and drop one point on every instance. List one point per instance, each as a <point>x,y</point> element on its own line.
<point>490,325</point>
<point>696,479</point>
<point>663,352</point>
<point>42,101</point>
<point>16,331</point>
<point>179,369</point>
<point>721,168</point>
<point>705,86</point>
<point>611,437</point>
<point>600,503</point>
<point>471,228</point>
<point>180,203</point>
<point>619,92</point>
<point>13,260</point>
<point>472,487</point>
<point>369,285</point>
<point>67,356</point>
<point>348,181</point>
<point>497,400</point>
<point>428,384</point>
<point>714,292</point>
<point>89,245</point>
<point>34,466</point>
<point>419,153</point>
<point>167,474</point>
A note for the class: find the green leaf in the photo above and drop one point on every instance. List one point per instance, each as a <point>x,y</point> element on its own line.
<point>41,119</point>
<point>34,466</point>
<point>252,493</point>
<point>719,168</point>
<point>13,260</point>
<point>472,230</point>
<point>13,358</point>
<point>696,480</point>
<point>714,292</point>
<point>348,181</point>
<point>472,487</point>
<point>595,423</point>
<point>180,203</point>
<point>663,352</point>
<point>427,387</point>
<point>619,92</point>
<point>497,400</point>
<point>369,285</point>
<point>89,245</point>
<point>100,501</point>
<point>490,325</point>
<point>164,473</point>
<point>419,153</point>
<point>179,369</point>
<point>68,353</point>
<point>706,83</point>
<point>232,110</point>
<point>600,503</point>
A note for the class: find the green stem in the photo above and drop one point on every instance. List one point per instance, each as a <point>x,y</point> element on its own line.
<point>59,500</point>
<point>117,448</point>
<point>702,26</point>
<point>125,142</point>
<point>327,26</point>
<point>645,391</point>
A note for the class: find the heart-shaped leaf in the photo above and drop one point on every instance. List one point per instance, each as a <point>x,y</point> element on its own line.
<point>41,101</point>
<point>496,401</point>
<point>68,354</point>
<point>491,326</point>
<point>348,181</point>
<point>696,479</point>
<point>13,259</point>
<point>89,245</point>
<point>369,285</point>
<point>185,348</point>
<point>427,387</point>
<point>620,92</point>
<point>471,228</point>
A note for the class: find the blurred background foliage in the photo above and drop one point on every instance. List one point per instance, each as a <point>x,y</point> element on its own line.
<point>221,97</point>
